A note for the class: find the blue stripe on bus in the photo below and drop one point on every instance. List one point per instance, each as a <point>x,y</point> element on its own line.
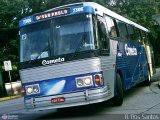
<point>61,85</point>
<point>134,66</point>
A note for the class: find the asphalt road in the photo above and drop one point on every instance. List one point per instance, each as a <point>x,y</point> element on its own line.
<point>141,102</point>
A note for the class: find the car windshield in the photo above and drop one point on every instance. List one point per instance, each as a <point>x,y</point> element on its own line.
<point>59,36</point>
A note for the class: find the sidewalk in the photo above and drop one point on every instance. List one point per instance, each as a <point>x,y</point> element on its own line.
<point>156,77</point>
<point>9,98</point>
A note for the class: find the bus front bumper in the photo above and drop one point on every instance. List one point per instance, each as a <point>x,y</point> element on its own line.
<point>71,99</point>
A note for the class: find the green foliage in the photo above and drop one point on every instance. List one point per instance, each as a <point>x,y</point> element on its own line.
<point>1,91</point>
<point>10,12</point>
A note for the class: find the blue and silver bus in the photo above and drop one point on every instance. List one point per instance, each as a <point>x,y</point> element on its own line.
<point>81,54</point>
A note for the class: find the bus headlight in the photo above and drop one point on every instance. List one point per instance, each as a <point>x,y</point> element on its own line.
<point>84,81</point>
<point>29,90</point>
<point>80,82</point>
<point>36,89</point>
<point>88,81</point>
<point>32,89</point>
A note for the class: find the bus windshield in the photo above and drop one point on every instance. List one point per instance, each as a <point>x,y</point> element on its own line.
<point>59,36</point>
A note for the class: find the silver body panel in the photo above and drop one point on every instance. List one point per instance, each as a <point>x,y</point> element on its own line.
<point>60,70</point>
<point>108,64</point>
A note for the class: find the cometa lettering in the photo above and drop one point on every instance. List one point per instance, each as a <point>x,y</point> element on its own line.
<point>130,51</point>
<point>58,60</point>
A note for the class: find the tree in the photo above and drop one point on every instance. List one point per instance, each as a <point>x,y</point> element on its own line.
<point>10,12</point>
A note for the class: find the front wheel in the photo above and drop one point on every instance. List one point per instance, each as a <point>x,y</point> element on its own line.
<point>118,99</point>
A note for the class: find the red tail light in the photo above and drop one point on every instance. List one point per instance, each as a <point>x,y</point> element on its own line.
<point>97,79</point>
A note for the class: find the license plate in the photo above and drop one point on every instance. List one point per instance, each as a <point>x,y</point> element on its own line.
<point>57,100</point>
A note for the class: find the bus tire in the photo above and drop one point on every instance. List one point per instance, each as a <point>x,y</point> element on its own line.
<point>118,99</point>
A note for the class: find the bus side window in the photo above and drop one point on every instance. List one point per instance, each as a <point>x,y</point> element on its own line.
<point>122,29</point>
<point>111,27</point>
<point>144,36</point>
<point>147,37</point>
<point>102,33</point>
<point>138,35</point>
<point>131,32</point>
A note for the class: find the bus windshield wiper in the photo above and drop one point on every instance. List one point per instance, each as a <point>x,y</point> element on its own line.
<point>47,48</point>
<point>78,48</point>
<point>81,41</point>
<point>40,53</point>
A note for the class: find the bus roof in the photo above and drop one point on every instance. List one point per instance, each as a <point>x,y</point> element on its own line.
<point>102,10</point>
<point>69,9</point>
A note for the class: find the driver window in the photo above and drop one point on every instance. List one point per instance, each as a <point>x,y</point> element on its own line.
<point>111,27</point>
<point>104,41</point>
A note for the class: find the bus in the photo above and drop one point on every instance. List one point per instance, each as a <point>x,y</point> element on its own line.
<point>80,54</point>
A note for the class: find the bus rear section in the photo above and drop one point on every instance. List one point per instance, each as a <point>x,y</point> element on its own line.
<point>150,59</point>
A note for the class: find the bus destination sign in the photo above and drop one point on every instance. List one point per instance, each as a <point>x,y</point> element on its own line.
<point>51,14</point>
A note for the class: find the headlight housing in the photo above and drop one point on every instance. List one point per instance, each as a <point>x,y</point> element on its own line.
<point>32,89</point>
<point>84,81</point>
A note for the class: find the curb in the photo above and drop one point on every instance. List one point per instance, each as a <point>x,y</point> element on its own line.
<point>9,98</point>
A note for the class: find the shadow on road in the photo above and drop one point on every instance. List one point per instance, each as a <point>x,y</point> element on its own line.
<point>76,112</point>
<point>95,109</point>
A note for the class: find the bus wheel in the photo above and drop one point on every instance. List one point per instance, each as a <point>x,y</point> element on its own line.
<point>118,99</point>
